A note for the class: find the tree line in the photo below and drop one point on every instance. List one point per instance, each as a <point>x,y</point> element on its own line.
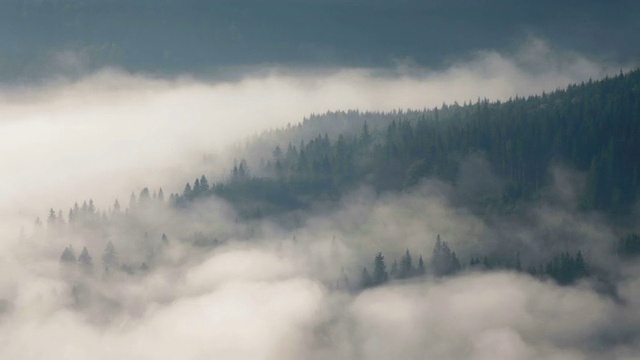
<point>591,127</point>
<point>564,269</point>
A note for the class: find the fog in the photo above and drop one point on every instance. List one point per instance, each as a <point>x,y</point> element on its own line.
<point>111,132</point>
<point>274,294</point>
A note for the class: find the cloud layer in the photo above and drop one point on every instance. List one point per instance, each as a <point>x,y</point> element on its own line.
<point>111,133</point>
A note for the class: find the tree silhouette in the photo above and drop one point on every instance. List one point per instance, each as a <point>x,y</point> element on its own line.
<point>380,275</point>
<point>85,261</point>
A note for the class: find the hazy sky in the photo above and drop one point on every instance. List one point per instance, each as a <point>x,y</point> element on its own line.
<point>40,39</point>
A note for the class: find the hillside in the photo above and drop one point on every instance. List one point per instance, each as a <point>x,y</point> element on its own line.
<point>592,128</point>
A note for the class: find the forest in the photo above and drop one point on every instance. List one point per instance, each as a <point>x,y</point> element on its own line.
<point>592,128</point>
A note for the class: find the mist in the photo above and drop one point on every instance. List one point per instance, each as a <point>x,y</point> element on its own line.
<point>268,291</point>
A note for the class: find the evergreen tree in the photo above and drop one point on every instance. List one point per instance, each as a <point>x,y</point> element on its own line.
<point>144,197</point>
<point>365,137</point>
<point>444,261</point>
<point>196,188</point>
<point>406,266</point>
<point>380,275</point>
<point>580,265</point>
<point>68,255</point>
<point>85,261</point>
<point>52,219</point>
<point>91,209</point>
<point>109,256</point>
<point>421,269</point>
<point>187,192</point>
<point>204,185</point>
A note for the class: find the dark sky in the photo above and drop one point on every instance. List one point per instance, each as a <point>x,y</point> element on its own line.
<point>41,38</point>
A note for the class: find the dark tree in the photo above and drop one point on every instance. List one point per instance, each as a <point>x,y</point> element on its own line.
<point>444,261</point>
<point>109,257</point>
<point>187,192</point>
<point>406,266</point>
<point>52,219</point>
<point>85,261</point>
<point>629,246</point>
<point>68,255</point>
<point>144,197</point>
<point>421,269</point>
<point>204,185</point>
<point>380,275</point>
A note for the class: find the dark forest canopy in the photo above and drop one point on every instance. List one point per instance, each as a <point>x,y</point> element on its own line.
<point>592,127</point>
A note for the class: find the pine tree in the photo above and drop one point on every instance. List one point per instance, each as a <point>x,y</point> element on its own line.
<point>144,197</point>
<point>85,261</point>
<point>68,256</point>
<point>196,188</point>
<point>580,266</point>
<point>444,261</point>
<point>406,266</point>
<point>421,269</point>
<point>187,193</point>
<point>204,185</point>
<point>365,137</point>
<point>52,219</point>
<point>91,208</point>
<point>380,275</point>
<point>109,257</point>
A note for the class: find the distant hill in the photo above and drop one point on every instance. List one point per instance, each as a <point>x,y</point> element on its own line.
<point>593,128</point>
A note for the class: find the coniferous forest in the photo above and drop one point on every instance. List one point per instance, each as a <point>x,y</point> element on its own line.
<point>592,128</point>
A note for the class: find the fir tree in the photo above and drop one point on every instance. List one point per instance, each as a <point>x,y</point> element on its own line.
<point>380,275</point>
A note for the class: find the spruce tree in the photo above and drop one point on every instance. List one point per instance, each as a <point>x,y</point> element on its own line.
<point>380,275</point>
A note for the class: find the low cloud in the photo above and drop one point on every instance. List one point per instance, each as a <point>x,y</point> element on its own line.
<point>275,297</point>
